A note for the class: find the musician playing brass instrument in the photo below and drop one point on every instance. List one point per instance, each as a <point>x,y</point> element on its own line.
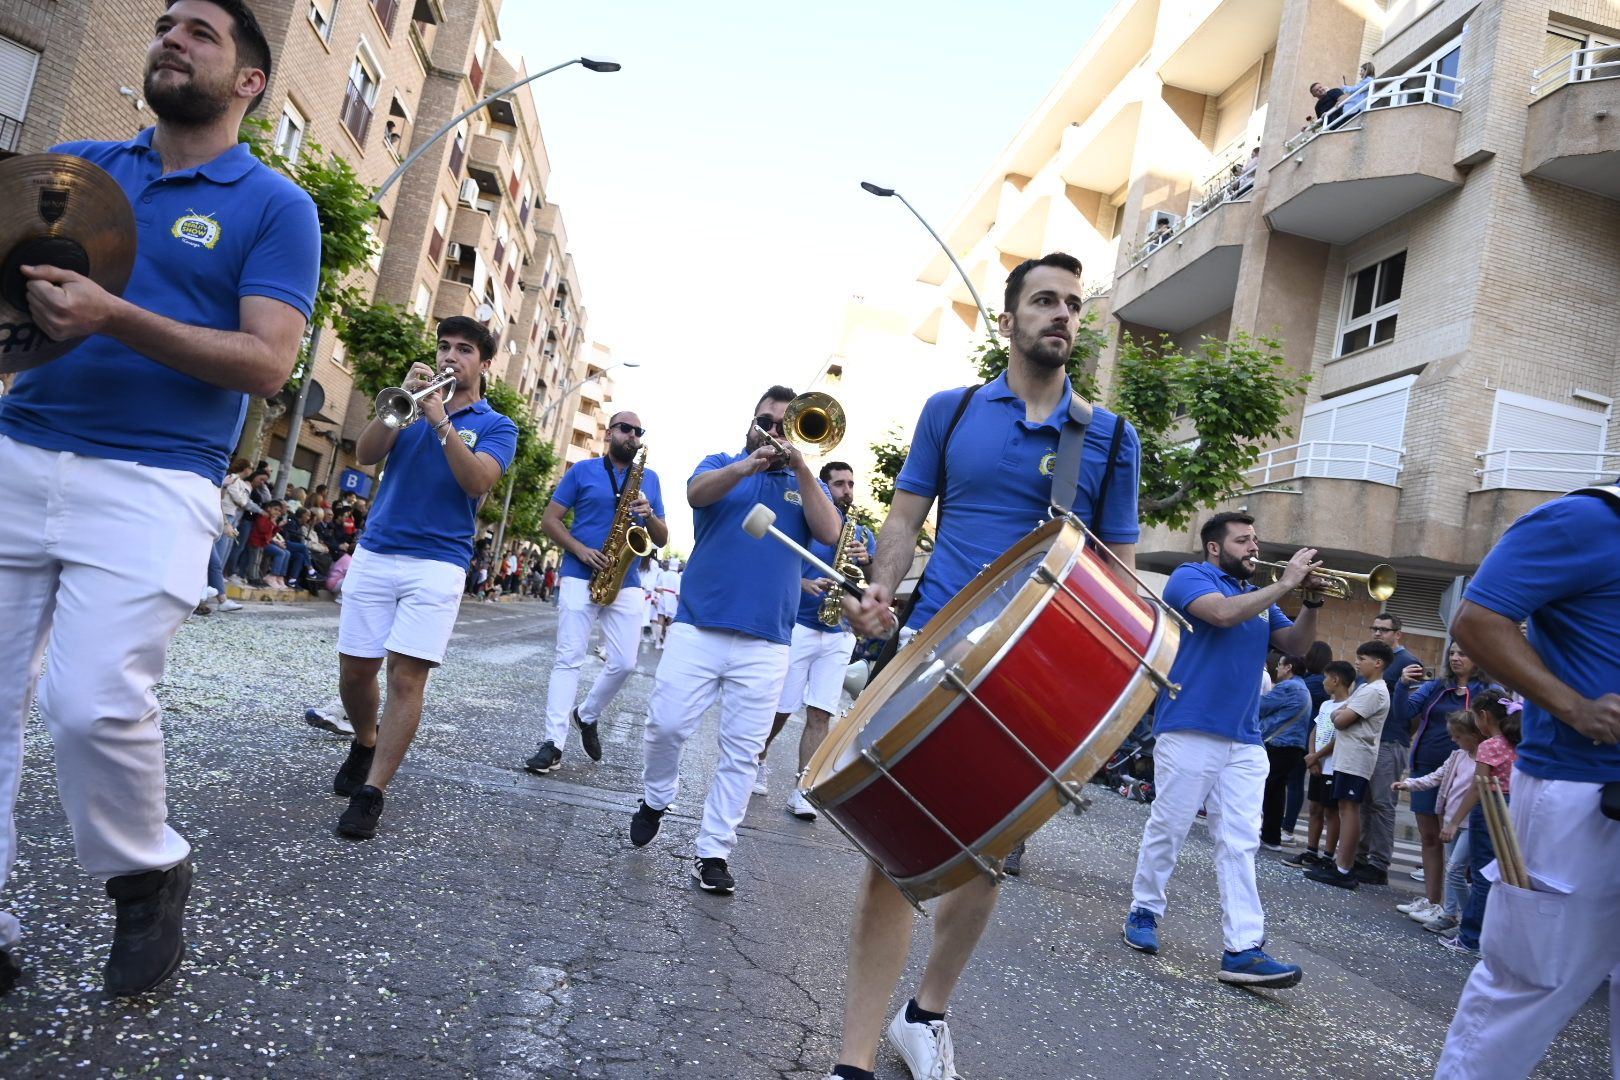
<point>611,504</point>
<point>820,651</point>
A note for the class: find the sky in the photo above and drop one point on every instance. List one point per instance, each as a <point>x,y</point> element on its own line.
<point>710,189</point>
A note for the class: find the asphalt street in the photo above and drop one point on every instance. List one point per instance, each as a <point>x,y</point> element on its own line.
<point>501,926</point>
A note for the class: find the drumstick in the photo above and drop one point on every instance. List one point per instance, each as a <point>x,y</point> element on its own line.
<point>1512,834</point>
<point>1483,789</point>
<point>759,522</point>
<point>1501,830</point>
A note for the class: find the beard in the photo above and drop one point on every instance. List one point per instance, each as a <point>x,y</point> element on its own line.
<point>621,452</point>
<point>1039,351</point>
<point>192,103</point>
<point>844,502</point>
<point>1234,566</point>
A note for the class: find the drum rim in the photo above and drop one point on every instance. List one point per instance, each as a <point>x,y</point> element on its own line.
<point>1067,542</point>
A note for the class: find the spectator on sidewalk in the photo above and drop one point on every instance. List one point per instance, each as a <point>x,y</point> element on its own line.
<point>1322,833</point>
<point>293,535</point>
<point>1432,705</point>
<point>1355,754</point>
<point>236,563</point>
<point>1497,717</point>
<point>1316,661</point>
<point>1285,725</point>
<point>1451,784</point>
<point>1405,671</point>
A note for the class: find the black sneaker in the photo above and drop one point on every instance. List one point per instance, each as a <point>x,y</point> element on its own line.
<point>1332,875</point>
<point>359,821</point>
<point>546,759</point>
<point>1368,874</point>
<point>1304,860</point>
<point>713,876</point>
<point>148,935</point>
<point>1013,865</point>
<point>644,824</point>
<point>10,972</point>
<point>588,738</point>
<point>352,774</point>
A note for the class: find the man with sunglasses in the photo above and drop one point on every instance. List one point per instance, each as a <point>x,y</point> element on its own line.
<point>731,635</point>
<point>591,490</point>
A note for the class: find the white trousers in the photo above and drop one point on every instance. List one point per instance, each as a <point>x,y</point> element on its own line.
<point>100,562</point>
<point>1543,953</point>
<point>746,674</point>
<point>621,637</point>
<point>1193,769</point>
<point>817,660</point>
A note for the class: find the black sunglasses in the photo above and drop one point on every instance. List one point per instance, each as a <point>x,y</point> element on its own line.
<point>629,429</point>
<point>768,423</point>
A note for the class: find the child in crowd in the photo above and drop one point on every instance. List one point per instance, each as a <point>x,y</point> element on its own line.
<point>1337,679</point>
<point>1355,754</point>
<point>1496,715</point>
<point>1454,780</point>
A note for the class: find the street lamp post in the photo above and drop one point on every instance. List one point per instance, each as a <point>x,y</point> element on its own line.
<point>884,193</point>
<point>539,421</point>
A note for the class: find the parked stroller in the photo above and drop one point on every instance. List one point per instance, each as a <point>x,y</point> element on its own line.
<point>1129,770</point>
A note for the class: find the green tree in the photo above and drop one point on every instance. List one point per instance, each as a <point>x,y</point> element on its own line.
<point>990,358</point>
<point>529,474</point>
<point>382,341</point>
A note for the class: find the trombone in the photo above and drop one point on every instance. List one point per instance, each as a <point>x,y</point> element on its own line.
<point>398,408</point>
<point>814,422</point>
<point>1379,582</point>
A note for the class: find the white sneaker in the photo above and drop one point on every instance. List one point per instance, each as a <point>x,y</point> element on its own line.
<point>228,604</point>
<point>1417,875</point>
<point>1411,905</point>
<point>800,807</point>
<point>759,785</point>
<point>332,720</point>
<point>925,1048</point>
<point>1425,913</point>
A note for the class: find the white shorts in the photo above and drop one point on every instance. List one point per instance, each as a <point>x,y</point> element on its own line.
<point>399,604</point>
<point>668,603</point>
<point>816,665</point>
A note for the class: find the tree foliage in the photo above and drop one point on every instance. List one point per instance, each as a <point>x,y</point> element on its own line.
<point>529,474</point>
<point>990,358</point>
<point>383,341</point>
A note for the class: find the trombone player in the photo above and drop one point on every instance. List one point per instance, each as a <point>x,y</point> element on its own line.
<point>593,490</point>
<point>731,634</point>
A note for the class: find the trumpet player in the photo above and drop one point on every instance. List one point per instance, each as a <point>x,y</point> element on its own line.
<point>822,640</point>
<point>593,490</point>
<point>731,634</point>
<point>403,589</point>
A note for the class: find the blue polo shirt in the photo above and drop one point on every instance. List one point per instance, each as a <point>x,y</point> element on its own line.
<point>999,482</point>
<point>422,511</point>
<point>1559,567</point>
<point>810,606</point>
<point>207,237</point>
<point>1218,668</point>
<point>733,581</point>
<point>588,491</point>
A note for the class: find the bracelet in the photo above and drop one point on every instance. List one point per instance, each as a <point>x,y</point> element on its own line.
<point>444,436</point>
<point>1313,605</point>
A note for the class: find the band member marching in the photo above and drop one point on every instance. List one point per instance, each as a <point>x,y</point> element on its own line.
<point>666,598</point>
<point>606,498</point>
<point>198,328</point>
<point>403,590</point>
<point>822,641</point>
<point>730,638</point>
<point>987,455</point>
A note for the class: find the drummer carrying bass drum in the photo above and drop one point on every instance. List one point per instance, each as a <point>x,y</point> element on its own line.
<point>987,453</point>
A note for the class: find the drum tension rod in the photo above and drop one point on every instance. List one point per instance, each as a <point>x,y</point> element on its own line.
<point>1050,578</point>
<point>911,897</point>
<point>987,868</point>
<point>1070,790</point>
<point>1153,597</point>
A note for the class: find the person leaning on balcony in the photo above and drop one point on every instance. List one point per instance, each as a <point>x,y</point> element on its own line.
<point>1326,98</point>
<point>1357,93</point>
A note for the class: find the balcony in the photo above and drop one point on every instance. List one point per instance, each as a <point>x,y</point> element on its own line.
<point>471,228</point>
<point>453,298</point>
<point>489,164</point>
<point>1570,135</point>
<point>1535,469</point>
<point>1180,280</point>
<point>10,133</point>
<point>1370,160</point>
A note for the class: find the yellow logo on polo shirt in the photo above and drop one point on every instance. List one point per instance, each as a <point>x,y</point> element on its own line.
<point>198,230</point>
<point>1048,463</point>
<point>793,497</point>
<point>469,437</point>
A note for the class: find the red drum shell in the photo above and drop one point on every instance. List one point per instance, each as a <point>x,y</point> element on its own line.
<point>1051,671</point>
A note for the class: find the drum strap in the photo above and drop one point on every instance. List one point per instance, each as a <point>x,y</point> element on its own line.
<point>1071,448</point>
<point>1108,475</point>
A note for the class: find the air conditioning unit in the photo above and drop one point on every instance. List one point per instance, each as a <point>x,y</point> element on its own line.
<point>453,252</point>
<point>469,193</point>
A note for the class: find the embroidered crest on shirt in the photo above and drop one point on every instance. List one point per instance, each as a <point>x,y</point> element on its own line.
<point>197,230</point>
<point>793,497</point>
<point>1048,462</point>
<point>469,437</point>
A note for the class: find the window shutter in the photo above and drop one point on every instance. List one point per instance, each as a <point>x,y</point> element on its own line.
<point>1525,425</point>
<point>1376,415</point>
<point>17,66</point>
<point>1417,602</point>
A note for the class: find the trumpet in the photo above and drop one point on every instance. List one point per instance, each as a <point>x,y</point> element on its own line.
<point>1379,582</point>
<point>813,422</point>
<point>398,408</point>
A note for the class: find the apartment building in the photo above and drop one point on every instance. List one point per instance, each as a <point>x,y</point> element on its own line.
<point>465,231</point>
<point>1439,254</point>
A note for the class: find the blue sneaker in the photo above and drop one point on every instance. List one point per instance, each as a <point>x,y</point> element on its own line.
<point>1252,967</point>
<point>1142,930</point>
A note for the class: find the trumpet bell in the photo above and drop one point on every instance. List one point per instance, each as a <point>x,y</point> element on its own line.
<point>814,422</point>
<point>1380,583</point>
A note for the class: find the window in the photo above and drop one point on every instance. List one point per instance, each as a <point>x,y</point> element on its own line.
<point>458,150</point>
<point>424,300</point>
<point>441,229</point>
<point>360,99</point>
<point>1539,445</point>
<point>340,355</point>
<point>1356,436</point>
<point>1372,300</point>
<point>475,73</point>
<point>385,11</point>
<point>290,132</point>
<point>1564,57</point>
<point>374,260</point>
<point>17,67</point>
<point>1433,79</point>
<point>321,15</point>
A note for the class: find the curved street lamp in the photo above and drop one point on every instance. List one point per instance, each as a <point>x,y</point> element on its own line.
<point>886,192</point>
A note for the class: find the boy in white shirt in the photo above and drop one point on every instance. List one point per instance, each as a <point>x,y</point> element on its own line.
<point>1358,721</point>
<point>1337,679</point>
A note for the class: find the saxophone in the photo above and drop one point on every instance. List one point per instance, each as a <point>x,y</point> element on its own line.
<point>831,611</point>
<point>626,541</point>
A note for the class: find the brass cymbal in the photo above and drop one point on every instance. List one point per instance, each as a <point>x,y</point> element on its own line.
<point>57,210</point>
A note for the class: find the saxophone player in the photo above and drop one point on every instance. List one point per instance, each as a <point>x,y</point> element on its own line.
<point>593,490</point>
<point>822,639</point>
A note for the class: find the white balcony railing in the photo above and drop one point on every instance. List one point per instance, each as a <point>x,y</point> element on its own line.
<point>1582,65</point>
<point>1224,186</point>
<point>1532,469</point>
<point>1341,460</point>
<point>1423,88</point>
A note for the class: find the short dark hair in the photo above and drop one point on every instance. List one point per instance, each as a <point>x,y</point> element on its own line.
<point>1015,280</point>
<point>1376,650</point>
<point>252,48</point>
<point>319,488</point>
<point>1341,670</point>
<point>238,464</point>
<point>468,329</point>
<point>1296,664</point>
<point>775,393</point>
<point>835,466</point>
<point>1394,620</point>
<point>1317,657</point>
<point>1214,530</point>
